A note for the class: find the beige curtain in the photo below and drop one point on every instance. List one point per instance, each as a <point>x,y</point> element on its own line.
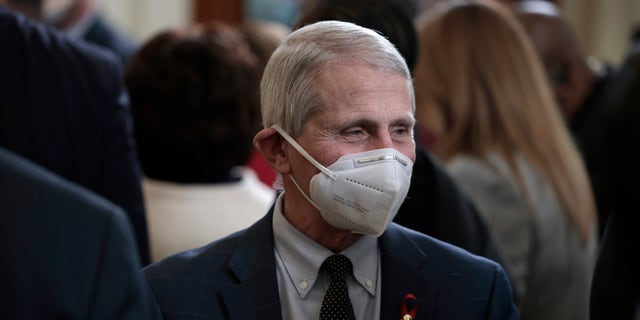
<point>142,19</point>
<point>603,26</point>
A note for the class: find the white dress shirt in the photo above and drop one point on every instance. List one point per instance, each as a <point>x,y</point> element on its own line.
<point>302,285</point>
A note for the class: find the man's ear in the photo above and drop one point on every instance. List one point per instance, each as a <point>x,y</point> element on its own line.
<point>274,149</point>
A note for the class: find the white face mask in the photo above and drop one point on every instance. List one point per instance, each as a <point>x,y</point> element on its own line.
<point>359,192</point>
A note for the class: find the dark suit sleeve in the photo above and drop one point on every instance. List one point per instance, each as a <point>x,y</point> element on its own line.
<point>120,291</point>
<point>64,107</point>
<point>615,291</point>
<point>123,168</point>
<point>66,252</point>
<point>500,304</point>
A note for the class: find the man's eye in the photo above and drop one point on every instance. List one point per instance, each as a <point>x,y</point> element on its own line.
<point>354,133</point>
<point>401,131</point>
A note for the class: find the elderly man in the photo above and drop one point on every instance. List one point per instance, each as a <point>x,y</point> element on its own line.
<point>338,105</point>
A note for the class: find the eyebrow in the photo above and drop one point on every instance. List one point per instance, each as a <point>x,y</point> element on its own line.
<point>404,121</point>
<point>368,123</point>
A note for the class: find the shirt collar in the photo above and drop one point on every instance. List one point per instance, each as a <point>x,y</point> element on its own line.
<point>302,257</point>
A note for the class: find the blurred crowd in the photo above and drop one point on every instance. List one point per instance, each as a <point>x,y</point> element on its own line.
<point>115,155</point>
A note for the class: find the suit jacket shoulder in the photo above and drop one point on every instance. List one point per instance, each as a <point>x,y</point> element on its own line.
<point>65,251</point>
<point>448,282</point>
<point>236,276</point>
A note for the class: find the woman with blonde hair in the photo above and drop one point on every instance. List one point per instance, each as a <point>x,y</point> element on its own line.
<point>482,92</point>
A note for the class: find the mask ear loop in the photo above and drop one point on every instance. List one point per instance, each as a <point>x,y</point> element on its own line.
<point>304,153</point>
<point>304,194</point>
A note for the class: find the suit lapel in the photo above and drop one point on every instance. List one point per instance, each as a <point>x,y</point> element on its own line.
<point>253,263</point>
<point>401,260</point>
<point>256,294</point>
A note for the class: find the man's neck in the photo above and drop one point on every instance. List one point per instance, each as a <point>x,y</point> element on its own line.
<point>307,219</point>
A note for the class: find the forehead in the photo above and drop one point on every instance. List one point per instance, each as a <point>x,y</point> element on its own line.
<point>356,88</point>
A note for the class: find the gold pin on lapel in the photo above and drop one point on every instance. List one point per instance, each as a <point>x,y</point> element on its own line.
<point>408,307</point>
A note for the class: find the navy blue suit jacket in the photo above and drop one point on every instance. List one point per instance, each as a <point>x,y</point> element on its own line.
<point>66,252</point>
<point>235,278</point>
<point>63,106</point>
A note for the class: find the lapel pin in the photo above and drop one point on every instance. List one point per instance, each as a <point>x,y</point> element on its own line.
<point>408,307</point>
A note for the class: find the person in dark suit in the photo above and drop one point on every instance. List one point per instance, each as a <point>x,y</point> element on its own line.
<point>66,252</point>
<point>64,106</point>
<point>338,110</point>
<point>81,20</point>
<point>615,290</point>
<point>435,205</point>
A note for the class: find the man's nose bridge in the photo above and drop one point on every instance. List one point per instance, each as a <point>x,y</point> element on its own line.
<point>383,140</point>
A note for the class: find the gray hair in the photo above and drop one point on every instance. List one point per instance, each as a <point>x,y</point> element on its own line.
<point>289,94</point>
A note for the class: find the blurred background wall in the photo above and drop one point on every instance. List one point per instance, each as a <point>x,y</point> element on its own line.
<point>143,18</point>
<point>603,27</point>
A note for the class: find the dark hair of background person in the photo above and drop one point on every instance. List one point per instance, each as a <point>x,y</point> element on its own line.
<point>389,17</point>
<point>194,98</point>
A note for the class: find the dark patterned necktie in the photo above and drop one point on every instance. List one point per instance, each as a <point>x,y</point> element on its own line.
<point>336,303</point>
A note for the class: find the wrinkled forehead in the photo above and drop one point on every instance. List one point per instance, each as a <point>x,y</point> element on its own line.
<point>351,77</point>
<point>355,88</point>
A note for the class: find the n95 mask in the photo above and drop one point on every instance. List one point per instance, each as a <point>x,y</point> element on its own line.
<point>359,192</point>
